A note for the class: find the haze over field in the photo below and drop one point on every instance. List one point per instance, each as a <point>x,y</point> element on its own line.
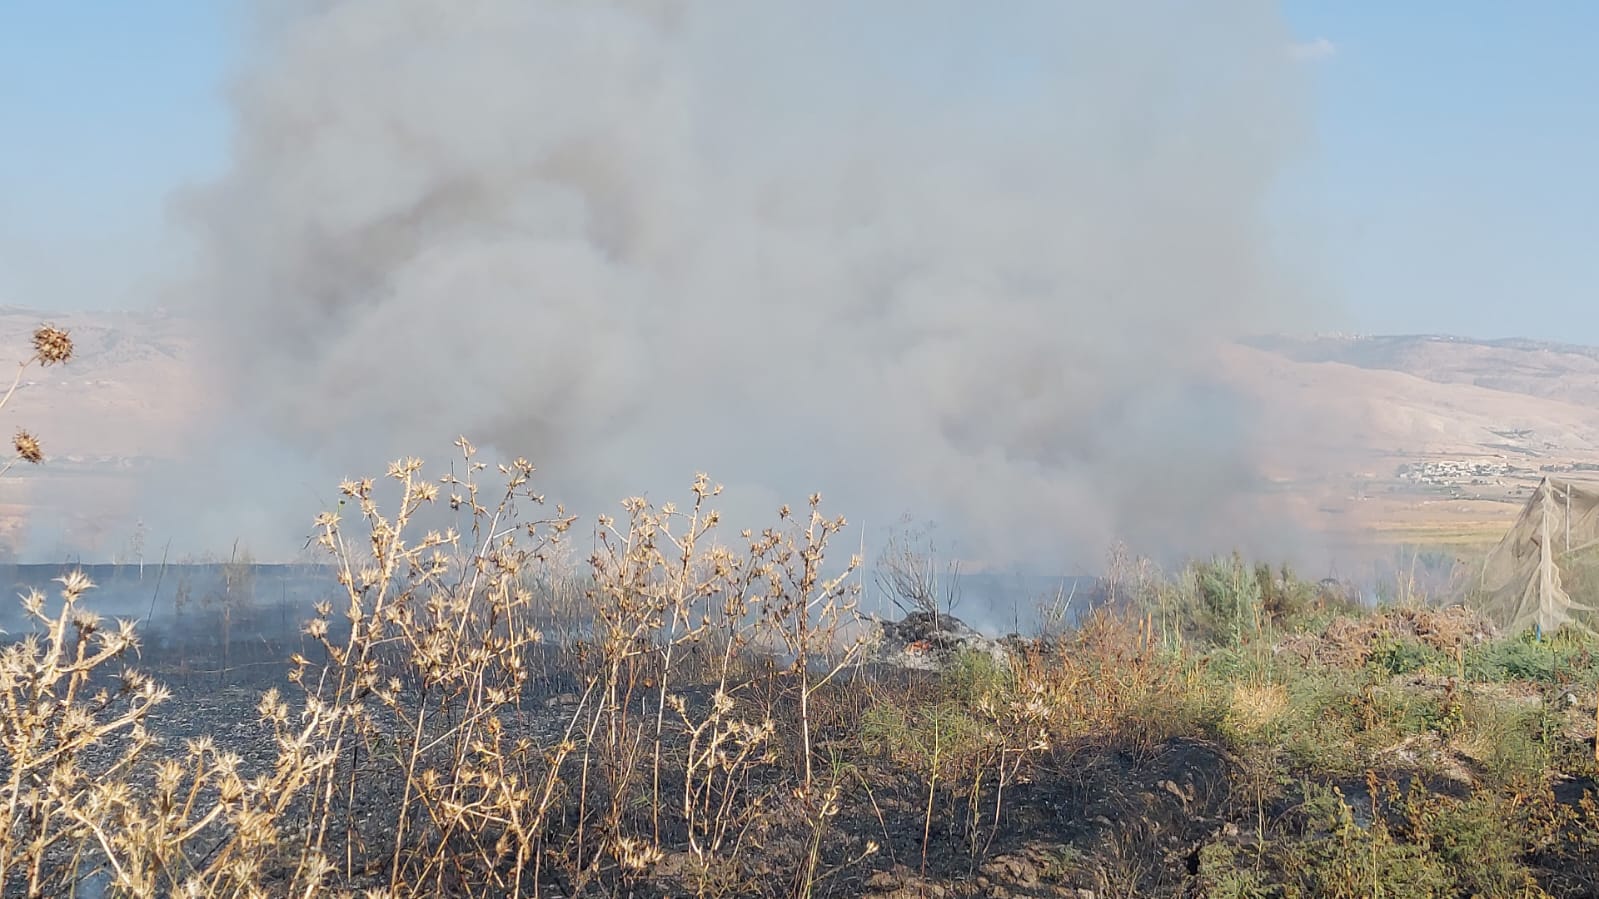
<point>1334,433</point>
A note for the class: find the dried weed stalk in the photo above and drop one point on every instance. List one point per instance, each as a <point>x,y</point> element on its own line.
<point>51,346</point>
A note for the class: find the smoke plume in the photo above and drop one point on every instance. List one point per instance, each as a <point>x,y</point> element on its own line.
<point>964,261</point>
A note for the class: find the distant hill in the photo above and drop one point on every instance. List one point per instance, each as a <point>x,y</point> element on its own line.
<point>1557,371</point>
<point>1429,438</point>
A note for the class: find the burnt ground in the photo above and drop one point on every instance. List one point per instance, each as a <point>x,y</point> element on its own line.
<point>1127,813</point>
<point>1087,819</point>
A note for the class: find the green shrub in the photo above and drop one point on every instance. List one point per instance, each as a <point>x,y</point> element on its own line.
<point>1230,601</point>
<point>1253,662</point>
<point>972,676</point>
<point>1481,841</point>
<point>1511,742</point>
<point>1321,734</point>
<point>1340,858</point>
<point>1222,875</point>
<point>935,740</point>
<point>1392,656</point>
<point>1565,657</point>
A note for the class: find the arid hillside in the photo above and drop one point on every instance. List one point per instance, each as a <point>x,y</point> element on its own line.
<point>1415,439</point>
<point>1535,368</point>
<point>1423,439</point>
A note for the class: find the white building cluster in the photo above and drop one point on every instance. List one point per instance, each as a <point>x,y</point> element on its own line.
<point>1454,472</point>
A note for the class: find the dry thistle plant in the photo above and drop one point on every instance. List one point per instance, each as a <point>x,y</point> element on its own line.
<point>51,346</point>
<point>427,673</point>
<point>77,749</point>
<point>27,447</point>
<point>205,829</point>
<point>56,711</point>
<point>409,762</point>
<point>424,674</point>
<point>806,611</point>
<point>674,609</point>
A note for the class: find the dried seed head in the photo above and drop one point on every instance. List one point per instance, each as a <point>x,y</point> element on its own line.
<point>52,345</point>
<point>28,448</point>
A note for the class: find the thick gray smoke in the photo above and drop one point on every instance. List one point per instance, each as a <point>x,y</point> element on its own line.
<point>961,260</point>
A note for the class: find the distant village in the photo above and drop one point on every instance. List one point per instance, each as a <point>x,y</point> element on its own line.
<point>1457,477</point>
<point>1457,472</point>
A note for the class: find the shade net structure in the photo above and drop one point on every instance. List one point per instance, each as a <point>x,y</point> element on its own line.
<point>1544,572</point>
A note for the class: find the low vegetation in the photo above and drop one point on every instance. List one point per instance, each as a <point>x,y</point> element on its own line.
<point>691,712</point>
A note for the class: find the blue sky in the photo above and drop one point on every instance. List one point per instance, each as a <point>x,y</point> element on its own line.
<point>104,109</point>
<point>1451,184</point>
<point>1454,165</point>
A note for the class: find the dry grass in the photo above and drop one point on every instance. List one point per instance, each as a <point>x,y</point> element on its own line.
<point>400,762</point>
<point>1349,640</point>
<point>1255,707</point>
